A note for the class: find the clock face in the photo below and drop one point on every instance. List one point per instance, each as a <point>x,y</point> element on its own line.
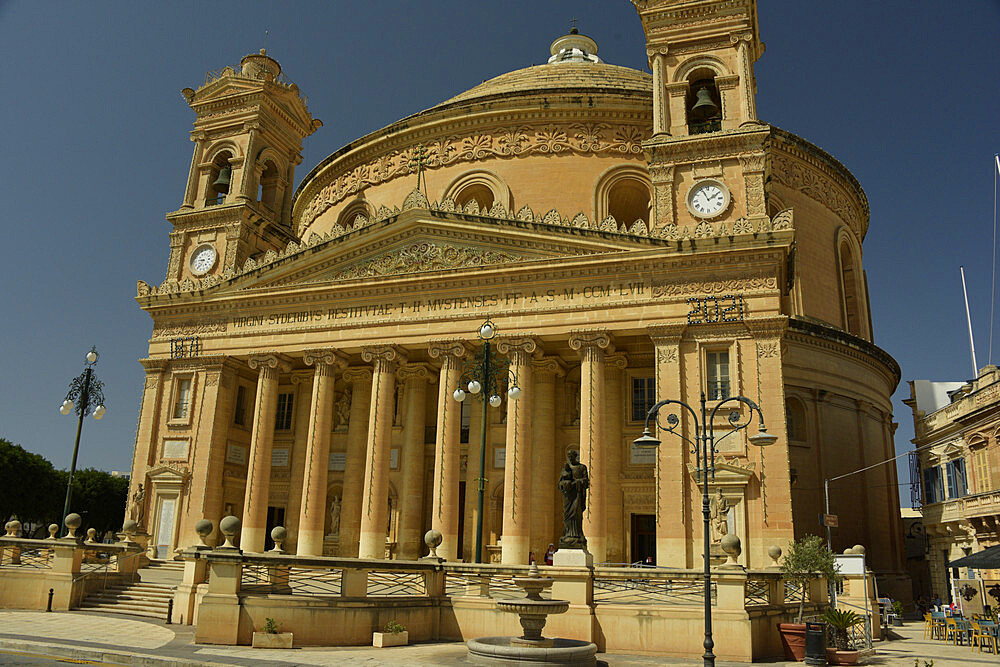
<point>708,198</point>
<point>203,259</point>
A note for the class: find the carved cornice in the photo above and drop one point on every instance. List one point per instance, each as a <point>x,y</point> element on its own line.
<point>766,328</point>
<point>667,334</point>
<point>747,283</point>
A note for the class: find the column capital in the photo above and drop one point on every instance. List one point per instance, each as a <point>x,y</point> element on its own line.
<point>383,353</point>
<point>447,348</point>
<point>678,88</point>
<point>325,357</point>
<point>302,377</point>
<point>736,37</point>
<point>356,374</point>
<point>553,366</point>
<point>271,360</point>
<point>512,344</point>
<point>599,338</point>
<point>418,371</point>
<point>728,81</point>
<point>666,333</point>
<point>616,361</point>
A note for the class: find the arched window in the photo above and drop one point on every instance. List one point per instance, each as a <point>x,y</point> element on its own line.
<point>478,192</point>
<point>624,193</point>
<point>704,104</point>
<point>481,186</point>
<point>795,420</point>
<point>219,179</point>
<point>357,208</point>
<point>849,283</point>
<point>268,190</point>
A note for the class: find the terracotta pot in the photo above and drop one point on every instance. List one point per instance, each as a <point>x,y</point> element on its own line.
<point>837,657</point>
<point>793,640</point>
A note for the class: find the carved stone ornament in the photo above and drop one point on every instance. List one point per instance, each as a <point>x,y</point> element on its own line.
<point>582,339</point>
<point>383,353</point>
<point>324,357</point>
<point>722,286</point>
<point>510,344</point>
<point>443,348</point>
<point>425,257</point>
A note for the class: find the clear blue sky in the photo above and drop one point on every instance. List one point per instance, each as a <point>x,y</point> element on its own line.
<point>95,150</point>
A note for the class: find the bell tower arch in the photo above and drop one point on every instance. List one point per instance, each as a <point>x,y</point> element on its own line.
<point>248,130</point>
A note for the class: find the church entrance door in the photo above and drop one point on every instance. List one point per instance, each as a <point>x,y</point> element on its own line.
<point>275,517</point>
<point>643,538</point>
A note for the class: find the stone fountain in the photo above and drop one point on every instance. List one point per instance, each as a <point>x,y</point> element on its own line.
<point>531,647</point>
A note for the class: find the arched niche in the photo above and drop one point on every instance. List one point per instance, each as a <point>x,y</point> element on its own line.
<point>481,185</point>
<point>624,193</point>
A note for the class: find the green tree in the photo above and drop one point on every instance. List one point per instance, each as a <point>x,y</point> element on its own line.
<point>807,559</point>
<point>29,485</point>
<point>100,498</point>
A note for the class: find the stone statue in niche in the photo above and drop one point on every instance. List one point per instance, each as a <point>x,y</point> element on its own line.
<point>138,505</point>
<point>719,516</point>
<point>335,516</point>
<point>342,411</point>
<point>573,484</point>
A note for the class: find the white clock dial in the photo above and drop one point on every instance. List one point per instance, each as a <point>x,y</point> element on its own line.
<point>708,198</point>
<point>203,259</point>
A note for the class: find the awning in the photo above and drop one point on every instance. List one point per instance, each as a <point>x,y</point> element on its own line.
<point>987,559</point>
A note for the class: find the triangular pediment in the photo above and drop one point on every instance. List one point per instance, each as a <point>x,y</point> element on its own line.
<point>421,242</point>
<point>729,473</point>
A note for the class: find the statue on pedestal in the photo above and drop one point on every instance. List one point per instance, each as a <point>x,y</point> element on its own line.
<point>719,516</point>
<point>138,509</point>
<point>335,516</point>
<point>573,484</point>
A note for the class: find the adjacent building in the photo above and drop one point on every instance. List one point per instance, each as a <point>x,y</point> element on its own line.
<point>633,236</point>
<point>956,475</point>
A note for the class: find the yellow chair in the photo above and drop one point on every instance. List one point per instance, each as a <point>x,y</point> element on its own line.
<point>928,626</point>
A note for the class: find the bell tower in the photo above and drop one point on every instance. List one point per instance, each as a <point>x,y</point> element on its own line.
<point>706,154</point>
<point>247,136</point>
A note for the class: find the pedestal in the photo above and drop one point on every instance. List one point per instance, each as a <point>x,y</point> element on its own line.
<point>573,558</point>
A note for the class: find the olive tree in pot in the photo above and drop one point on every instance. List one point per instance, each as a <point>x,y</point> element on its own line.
<point>841,621</point>
<point>806,559</point>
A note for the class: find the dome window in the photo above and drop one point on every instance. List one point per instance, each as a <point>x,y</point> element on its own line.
<point>478,192</point>
<point>628,201</point>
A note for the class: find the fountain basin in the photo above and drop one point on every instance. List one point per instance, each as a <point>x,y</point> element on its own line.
<point>533,607</point>
<point>504,651</point>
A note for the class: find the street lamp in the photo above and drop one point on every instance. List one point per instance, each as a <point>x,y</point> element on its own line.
<point>86,392</point>
<point>704,433</point>
<point>484,376</point>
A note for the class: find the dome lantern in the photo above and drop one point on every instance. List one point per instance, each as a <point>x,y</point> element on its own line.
<point>575,48</point>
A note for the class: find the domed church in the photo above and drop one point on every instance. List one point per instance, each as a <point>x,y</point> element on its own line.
<point>602,237</point>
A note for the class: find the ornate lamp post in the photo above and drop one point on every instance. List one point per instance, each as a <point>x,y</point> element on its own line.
<point>704,450</point>
<point>85,392</point>
<point>484,376</point>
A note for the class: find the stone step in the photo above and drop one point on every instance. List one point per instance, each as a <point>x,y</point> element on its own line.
<point>120,609</point>
<point>157,603</point>
<point>166,591</point>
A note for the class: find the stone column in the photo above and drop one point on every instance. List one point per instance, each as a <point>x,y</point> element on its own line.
<point>247,189</point>
<point>661,111</point>
<point>191,192</point>
<point>614,428</point>
<point>312,514</point>
<point>672,507</point>
<point>744,63</point>
<point>591,345</point>
<point>516,530</point>
<point>677,98</point>
<point>375,490</point>
<point>360,380</point>
<point>411,503</point>
<point>444,508</point>
<point>261,438</point>
<point>544,470</point>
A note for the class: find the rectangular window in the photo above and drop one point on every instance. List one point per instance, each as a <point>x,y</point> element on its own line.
<point>283,420</point>
<point>955,471</point>
<point>466,420</point>
<point>932,488</point>
<point>240,412</point>
<point>717,366</point>
<point>981,469</point>
<point>643,397</point>
<point>182,399</point>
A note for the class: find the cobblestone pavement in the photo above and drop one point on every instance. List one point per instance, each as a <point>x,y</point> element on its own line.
<point>114,639</point>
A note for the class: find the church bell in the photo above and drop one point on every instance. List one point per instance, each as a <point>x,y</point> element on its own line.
<point>221,184</point>
<point>705,106</point>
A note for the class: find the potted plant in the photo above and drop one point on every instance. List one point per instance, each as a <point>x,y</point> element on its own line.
<point>394,634</point>
<point>841,620</point>
<point>805,560</point>
<point>897,613</point>
<point>270,637</point>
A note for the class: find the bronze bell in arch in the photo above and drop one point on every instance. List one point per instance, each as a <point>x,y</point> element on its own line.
<point>704,106</point>
<point>221,184</point>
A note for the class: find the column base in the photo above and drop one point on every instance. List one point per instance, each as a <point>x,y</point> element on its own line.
<point>514,550</point>
<point>309,543</point>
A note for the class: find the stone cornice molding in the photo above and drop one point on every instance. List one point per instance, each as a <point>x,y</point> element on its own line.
<point>728,81</point>
<point>357,374</point>
<point>677,88</point>
<point>447,348</point>
<point>582,339</point>
<point>154,366</point>
<point>667,334</point>
<point>417,372</point>
<point>767,327</point>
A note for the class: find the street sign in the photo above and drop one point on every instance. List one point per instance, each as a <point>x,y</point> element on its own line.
<point>830,520</point>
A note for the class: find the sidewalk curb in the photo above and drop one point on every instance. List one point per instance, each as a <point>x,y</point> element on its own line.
<point>103,655</point>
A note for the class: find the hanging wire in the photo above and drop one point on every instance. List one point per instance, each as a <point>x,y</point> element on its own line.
<point>993,284</point>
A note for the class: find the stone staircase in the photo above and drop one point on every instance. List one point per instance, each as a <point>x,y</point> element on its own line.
<point>149,596</point>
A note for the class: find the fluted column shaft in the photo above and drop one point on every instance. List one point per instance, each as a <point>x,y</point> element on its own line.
<point>661,109</point>
<point>354,470</point>
<point>591,345</point>
<point>447,448</point>
<point>614,427</point>
<point>543,453</point>
<point>516,530</point>
<point>673,510</point>
<point>312,513</point>
<point>375,491</point>
<point>261,439</point>
<point>411,506</point>
<point>744,64</point>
